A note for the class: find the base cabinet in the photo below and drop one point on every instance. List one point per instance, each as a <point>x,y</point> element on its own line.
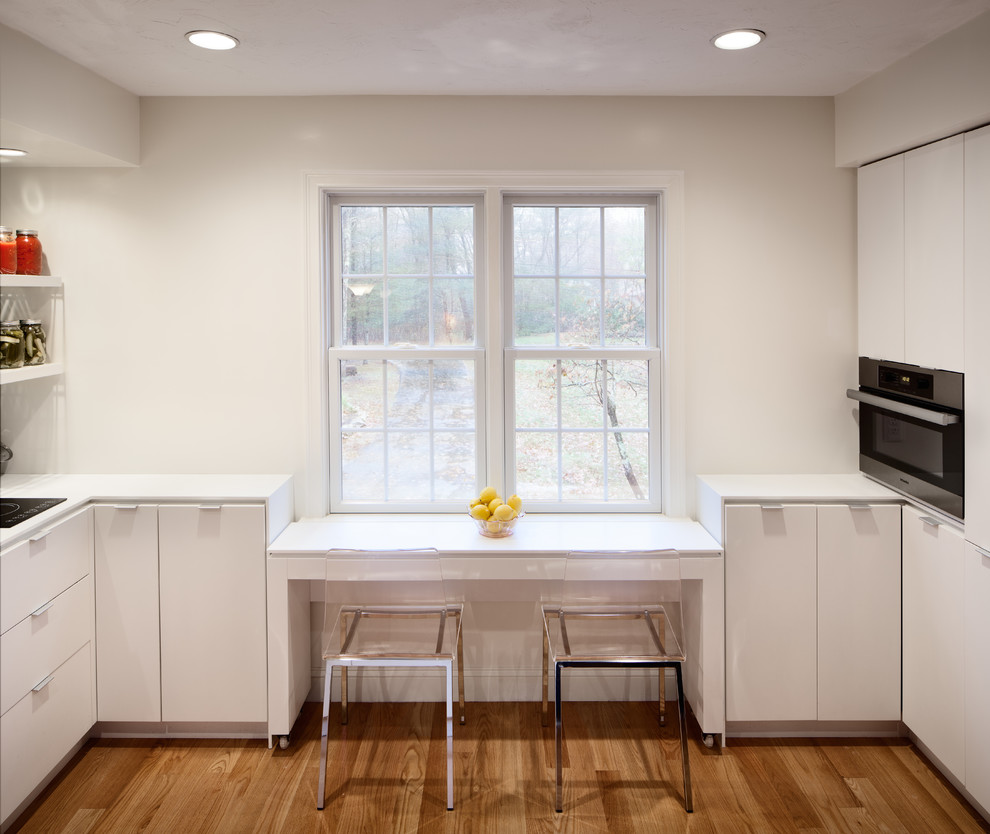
<point>976,572</point>
<point>181,613</point>
<point>128,672</point>
<point>47,691</point>
<point>933,647</point>
<point>812,608</point>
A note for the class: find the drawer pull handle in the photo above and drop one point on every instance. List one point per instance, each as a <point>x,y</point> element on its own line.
<point>210,506</point>
<point>38,612</point>
<point>37,537</point>
<point>931,522</point>
<point>771,506</point>
<point>125,506</point>
<point>860,506</point>
<point>43,684</point>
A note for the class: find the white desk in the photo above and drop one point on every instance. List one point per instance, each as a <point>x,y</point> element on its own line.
<point>493,572</point>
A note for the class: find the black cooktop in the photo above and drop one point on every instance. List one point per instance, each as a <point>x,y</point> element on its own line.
<point>15,510</point>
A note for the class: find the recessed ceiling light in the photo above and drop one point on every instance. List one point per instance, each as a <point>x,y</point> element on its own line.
<point>12,152</point>
<point>738,38</point>
<point>211,40</point>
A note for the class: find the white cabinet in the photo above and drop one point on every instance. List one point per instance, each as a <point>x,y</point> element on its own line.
<point>812,602</point>
<point>770,622</point>
<point>212,569</point>
<point>977,267</point>
<point>910,262</point>
<point>128,671</point>
<point>933,255</point>
<point>181,613</point>
<point>933,653</point>
<point>47,692</point>
<point>977,664</point>
<point>881,259</point>
<point>859,612</point>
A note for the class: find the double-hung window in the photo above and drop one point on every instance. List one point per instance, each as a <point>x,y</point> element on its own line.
<point>540,342</point>
<point>581,357</point>
<point>407,353</point>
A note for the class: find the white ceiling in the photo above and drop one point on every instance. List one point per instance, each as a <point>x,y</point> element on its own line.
<point>486,47</point>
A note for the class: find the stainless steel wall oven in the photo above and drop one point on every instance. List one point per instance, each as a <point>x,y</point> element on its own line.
<point>911,431</point>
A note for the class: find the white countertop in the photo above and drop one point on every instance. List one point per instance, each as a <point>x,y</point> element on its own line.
<point>842,487</point>
<point>541,533</point>
<point>78,490</point>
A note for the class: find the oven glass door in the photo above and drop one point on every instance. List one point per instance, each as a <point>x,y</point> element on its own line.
<point>908,450</point>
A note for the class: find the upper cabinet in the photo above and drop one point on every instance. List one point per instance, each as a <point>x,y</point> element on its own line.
<point>933,255</point>
<point>977,337</point>
<point>911,257</point>
<point>881,259</point>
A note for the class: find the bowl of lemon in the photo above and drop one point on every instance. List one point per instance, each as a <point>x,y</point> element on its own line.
<point>495,518</point>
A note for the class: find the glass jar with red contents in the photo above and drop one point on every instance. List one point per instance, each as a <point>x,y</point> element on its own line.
<point>28,252</point>
<point>8,251</point>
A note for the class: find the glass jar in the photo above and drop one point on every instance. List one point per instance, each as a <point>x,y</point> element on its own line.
<point>11,345</point>
<point>28,252</point>
<point>8,251</point>
<point>35,342</point>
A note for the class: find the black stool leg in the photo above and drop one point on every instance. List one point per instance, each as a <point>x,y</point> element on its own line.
<point>685,764</point>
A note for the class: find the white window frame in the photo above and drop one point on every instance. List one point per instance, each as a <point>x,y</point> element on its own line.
<point>313,481</point>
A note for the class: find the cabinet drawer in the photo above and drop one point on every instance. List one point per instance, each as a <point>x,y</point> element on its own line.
<point>38,570</point>
<point>44,640</point>
<point>38,731</point>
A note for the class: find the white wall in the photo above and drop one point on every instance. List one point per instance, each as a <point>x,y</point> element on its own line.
<point>66,114</point>
<point>940,90</point>
<point>186,277</point>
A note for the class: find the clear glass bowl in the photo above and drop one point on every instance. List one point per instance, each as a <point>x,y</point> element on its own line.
<point>495,529</point>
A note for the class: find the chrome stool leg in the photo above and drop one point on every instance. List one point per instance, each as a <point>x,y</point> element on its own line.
<point>321,791</point>
<point>450,736</point>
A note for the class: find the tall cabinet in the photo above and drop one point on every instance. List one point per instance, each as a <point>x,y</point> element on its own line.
<point>977,549</point>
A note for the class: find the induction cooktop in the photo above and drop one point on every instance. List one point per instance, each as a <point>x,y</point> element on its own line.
<point>15,510</point>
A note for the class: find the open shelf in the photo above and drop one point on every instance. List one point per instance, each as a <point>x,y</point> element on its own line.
<point>14,281</point>
<point>31,372</point>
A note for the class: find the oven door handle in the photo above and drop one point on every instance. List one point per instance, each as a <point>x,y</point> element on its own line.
<point>939,418</point>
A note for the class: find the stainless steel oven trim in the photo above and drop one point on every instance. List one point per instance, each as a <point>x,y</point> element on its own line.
<point>916,489</point>
<point>939,418</point>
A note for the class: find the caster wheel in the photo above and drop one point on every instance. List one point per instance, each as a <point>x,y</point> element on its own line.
<point>709,740</point>
<point>283,742</point>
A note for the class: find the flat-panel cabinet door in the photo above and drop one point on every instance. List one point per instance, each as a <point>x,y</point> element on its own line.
<point>933,255</point>
<point>881,259</point>
<point>770,613</point>
<point>128,672</point>
<point>977,425</point>
<point>213,613</point>
<point>977,617</point>
<point>859,612</point>
<point>933,700</point>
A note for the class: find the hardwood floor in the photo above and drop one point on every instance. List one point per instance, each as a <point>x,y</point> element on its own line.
<point>621,774</point>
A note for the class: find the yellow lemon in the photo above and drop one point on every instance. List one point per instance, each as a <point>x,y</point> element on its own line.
<point>515,502</point>
<point>487,494</point>
<point>503,512</point>
<point>475,502</point>
<point>495,502</point>
<point>480,512</point>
